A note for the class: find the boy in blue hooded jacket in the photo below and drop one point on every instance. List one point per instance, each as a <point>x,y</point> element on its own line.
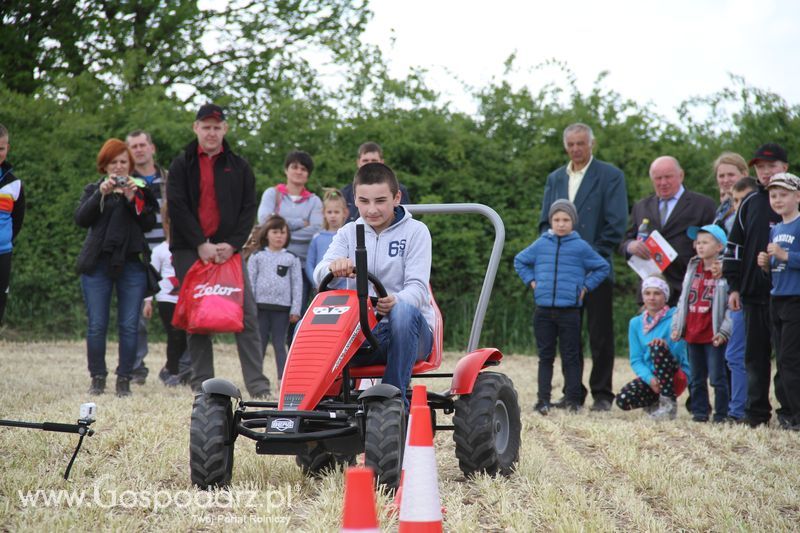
<point>561,268</point>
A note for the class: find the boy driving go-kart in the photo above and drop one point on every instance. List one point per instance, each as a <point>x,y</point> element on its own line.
<point>398,254</point>
<point>322,416</point>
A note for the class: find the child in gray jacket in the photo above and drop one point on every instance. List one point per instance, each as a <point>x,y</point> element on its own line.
<point>276,277</point>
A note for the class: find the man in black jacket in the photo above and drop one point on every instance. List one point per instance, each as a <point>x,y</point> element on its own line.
<point>749,287</point>
<point>211,200</point>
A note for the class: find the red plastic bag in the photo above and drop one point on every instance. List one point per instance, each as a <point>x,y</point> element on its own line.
<point>211,299</point>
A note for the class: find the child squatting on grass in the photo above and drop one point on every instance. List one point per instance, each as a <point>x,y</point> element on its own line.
<point>702,319</point>
<point>561,268</point>
<point>782,261</point>
<point>657,360</point>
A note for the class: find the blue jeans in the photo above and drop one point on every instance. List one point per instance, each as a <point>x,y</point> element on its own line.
<point>97,287</point>
<point>405,338</point>
<point>707,363</point>
<point>734,354</point>
<point>559,326</point>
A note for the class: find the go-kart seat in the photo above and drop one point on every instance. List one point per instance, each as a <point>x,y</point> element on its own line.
<point>432,362</point>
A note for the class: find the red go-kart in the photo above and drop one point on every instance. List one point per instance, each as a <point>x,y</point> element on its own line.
<point>324,416</point>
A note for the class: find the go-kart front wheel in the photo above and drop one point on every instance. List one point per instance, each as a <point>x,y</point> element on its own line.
<point>487,426</point>
<point>210,458</point>
<point>385,439</point>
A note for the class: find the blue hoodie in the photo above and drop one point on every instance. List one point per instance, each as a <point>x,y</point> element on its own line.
<point>561,267</point>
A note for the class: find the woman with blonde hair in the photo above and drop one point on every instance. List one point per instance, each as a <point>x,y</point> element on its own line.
<point>729,168</point>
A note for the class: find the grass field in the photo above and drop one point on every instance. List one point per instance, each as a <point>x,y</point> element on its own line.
<point>586,471</point>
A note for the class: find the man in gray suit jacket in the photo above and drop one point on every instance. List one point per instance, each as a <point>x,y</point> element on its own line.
<point>598,191</point>
<point>671,210</point>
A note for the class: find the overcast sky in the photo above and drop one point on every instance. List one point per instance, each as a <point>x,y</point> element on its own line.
<point>655,51</point>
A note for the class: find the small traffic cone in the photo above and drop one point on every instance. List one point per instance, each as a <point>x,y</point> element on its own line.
<point>420,509</point>
<point>419,398</point>
<point>359,501</point>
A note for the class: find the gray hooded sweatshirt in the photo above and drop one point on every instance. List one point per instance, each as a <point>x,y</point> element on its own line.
<point>399,256</point>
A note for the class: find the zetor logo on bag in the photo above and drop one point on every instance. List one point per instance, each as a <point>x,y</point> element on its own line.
<point>212,298</point>
<point>205,289</point>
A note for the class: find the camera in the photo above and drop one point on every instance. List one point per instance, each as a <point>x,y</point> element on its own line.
<point>88,411</point>
<point>120,181</point>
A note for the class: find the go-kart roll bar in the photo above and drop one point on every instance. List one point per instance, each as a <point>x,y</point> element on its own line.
<point>494,259</point>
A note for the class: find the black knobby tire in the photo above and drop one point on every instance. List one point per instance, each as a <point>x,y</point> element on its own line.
<point>317,461</point>
<point>210,459</point>
<point>385,439</point>
<point>487,426</point>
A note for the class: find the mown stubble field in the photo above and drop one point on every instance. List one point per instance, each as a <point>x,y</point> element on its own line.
<point>577,472</point>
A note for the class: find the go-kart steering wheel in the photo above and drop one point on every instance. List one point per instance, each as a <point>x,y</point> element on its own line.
<point>379,289</point>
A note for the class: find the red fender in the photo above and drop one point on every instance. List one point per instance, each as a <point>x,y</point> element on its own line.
<point>469,366</point>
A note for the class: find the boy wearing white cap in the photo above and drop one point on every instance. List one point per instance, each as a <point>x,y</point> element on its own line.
<point>703,320</point>
<point>782,261</point>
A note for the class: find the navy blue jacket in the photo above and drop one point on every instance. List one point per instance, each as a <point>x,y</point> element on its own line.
<point>561,267</point>
<point>601,201</point>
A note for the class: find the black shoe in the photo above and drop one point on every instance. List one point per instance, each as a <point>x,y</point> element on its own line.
<point>601,405</point>
<point>185,376</point>
<point>543,408</point>
<point>699,418</point>
<point>139,375</point>
<point>98,385</point>
<point>163,374</point>
<point>559,404</point>
<point>123,387</point>
<point>733,420</point>
<point>754,423</point>
<point>574,407</point>
<point>784,421</point>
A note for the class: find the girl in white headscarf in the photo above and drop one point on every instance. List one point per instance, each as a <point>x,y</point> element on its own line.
<point>659,362</point>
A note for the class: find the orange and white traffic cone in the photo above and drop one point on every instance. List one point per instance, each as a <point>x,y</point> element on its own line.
<point>359,501</point>
<point>420,509</point>
<point>419,398</point>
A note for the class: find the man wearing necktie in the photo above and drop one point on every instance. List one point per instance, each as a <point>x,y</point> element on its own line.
<point>672,209</point>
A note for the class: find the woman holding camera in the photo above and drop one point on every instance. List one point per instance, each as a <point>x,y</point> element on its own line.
<point>117,210</point>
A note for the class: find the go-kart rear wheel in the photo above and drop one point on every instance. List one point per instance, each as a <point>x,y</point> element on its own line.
<point>385,439</point>
<point>317,461</point>
<point>487,426</point>
<point>210,458</point>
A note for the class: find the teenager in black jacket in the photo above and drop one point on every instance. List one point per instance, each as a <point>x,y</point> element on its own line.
<point>749,287</point>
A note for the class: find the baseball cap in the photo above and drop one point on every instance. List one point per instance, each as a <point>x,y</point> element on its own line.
<point>210,111</point>
<point>784,180</point>
<point>769,152</point>
<point>716,231</point>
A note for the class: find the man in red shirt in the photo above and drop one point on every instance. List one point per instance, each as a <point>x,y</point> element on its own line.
<point>702,319</point>
<point>211,200</point>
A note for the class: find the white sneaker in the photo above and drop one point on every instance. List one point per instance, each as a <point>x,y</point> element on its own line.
<point>667,409</point>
